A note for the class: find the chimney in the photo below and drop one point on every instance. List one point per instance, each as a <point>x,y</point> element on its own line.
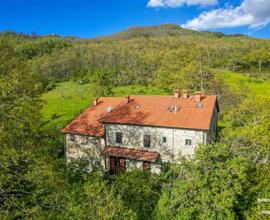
<point>96,101</point>
<point>176,94</point>
<point>128,99</point>
<point>198,96</point>
<point>185,94</point>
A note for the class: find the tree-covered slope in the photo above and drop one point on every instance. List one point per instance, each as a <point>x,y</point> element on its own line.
<point>142,55</point>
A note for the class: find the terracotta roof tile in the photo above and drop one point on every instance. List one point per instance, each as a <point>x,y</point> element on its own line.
<point>145,110</point>
<point>154,111</point>
<point>133,154</point>
<point>88,122</point>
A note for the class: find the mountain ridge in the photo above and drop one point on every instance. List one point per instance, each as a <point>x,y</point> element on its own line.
<point>163,30</point>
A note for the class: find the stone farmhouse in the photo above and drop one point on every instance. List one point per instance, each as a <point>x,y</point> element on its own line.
<point>122,133</point>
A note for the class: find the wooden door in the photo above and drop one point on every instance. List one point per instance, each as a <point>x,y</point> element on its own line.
<point>112,166</point>
<point>117,165</point>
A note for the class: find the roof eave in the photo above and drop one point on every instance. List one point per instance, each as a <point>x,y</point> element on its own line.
<point>160,126</point>
<point>83,134</point>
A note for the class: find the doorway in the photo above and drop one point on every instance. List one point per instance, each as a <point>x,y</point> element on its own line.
<point>117,165</point>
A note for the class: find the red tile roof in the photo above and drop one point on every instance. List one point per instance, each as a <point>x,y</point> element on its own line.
<point>133,154</point>
<point>145,110</point>
<point>88,122</point>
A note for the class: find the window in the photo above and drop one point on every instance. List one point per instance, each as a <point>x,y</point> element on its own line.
<point>188,142</point>
<point>72,137</point>
<point>84,141</point>
<point>164,141</point>
<point>118,138</point>
<point>146,140</point>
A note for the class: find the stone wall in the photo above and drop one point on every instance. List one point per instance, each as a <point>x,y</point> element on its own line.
<point>175,139</point>
<point>85,148</point>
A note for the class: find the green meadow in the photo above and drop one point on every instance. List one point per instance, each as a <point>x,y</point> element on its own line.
<point>239,81</point>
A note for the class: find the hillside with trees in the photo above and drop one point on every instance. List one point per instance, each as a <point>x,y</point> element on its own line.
<point>47,80</point>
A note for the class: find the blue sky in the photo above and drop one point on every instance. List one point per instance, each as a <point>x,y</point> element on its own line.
<point>90,18</point>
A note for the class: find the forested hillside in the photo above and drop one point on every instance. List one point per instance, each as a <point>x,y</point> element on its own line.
<point>47,80</point>
<point>161,54</point>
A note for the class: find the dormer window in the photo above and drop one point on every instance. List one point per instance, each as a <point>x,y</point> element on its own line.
<point>199,105</point>
<point>137,106</point>
<point>173,108</point>
<point>118,138</point>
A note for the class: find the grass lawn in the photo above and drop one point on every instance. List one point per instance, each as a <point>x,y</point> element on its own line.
<point>237,80</point>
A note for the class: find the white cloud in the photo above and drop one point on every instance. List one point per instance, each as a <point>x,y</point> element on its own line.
<point>179,3</point>
<point>252,13</point>
<point>259,10</point>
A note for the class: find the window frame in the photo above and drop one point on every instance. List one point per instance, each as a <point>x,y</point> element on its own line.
<point>188,142</point>
<point>164,141</point>
<point>117,140</point>
<point>72,137</point>
<point>146,140</point>
<point>85,141</point>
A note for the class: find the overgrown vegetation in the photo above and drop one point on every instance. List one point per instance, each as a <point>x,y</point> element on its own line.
<point>46,81</point>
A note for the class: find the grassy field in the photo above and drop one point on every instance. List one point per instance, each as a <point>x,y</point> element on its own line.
<point>68,99</point>
<point>65,102</point>
<point>238,81</point>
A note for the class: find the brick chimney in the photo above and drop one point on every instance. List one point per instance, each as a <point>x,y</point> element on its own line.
<point>176,93</point>
<point>127,98</point>
<point>185,94</point>
<point>198,96</point>
<point>95,101</point>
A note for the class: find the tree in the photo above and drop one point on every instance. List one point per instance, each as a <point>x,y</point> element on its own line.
<point>249,134</point>
<point>207,187</point>
<point>103,81</point>
<point>139,192</point>
<point>95,199</point>
<point>258,57</point>
<point>28,184</point>
<point>196,77</point>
